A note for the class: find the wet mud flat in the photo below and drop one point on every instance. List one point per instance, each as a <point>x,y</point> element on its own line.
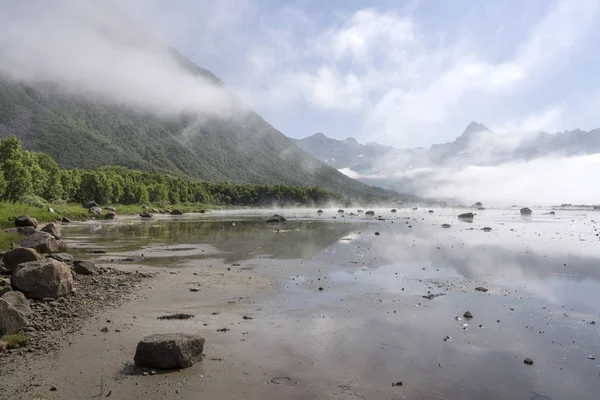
<point>324,308</point>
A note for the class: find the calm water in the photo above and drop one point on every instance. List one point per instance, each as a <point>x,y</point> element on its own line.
<point>371,325</point>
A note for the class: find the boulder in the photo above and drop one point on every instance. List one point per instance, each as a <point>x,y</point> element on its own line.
<point>11,321</point>
<point>370,213</point>
<point>526,211</point>
<point>18,256</point>
<point>169,351</point>
<point>65,220</point>
<point>43,279</point>
<point>85,268</point>
<point>19,302</point>
<point>176,212</point>
<point>95,210</point>
<point>53,229</point>
<point>468,215</point>
<point>275,219</point>
<point>90,204</point>
<point>202,211</point>
<point>62,257</point>
<point>446,226</point>
<point>111,209</point>
<point>42,242</point>
<point>22,230</point>
<point>319,211</point>
<point>145,214</point>
<point>155,211</point>
<point>144,206</point>
<point>25,220</point>
<point>340,211</point>
<point>394,210</point>
<point>110,215</point>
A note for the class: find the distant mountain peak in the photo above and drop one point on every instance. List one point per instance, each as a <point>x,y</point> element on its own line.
<point>350,140</point>
<point>475,127</point>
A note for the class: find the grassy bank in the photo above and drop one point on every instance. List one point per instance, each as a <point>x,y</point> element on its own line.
<point>73,211</point>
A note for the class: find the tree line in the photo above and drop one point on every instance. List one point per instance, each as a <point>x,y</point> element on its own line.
<point>25,173</point>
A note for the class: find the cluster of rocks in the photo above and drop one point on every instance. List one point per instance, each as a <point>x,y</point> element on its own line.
<point>46,293</point>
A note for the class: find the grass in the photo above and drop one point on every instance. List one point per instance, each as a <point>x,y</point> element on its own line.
<point>73,211</point>
<point>15,340</point>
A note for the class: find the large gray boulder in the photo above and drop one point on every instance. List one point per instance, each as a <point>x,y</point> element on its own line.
<point>63,257</point>
<point>19,302</point>
<point>176,212</point>
<point>43,279</point>
<point>85,268</point>
<point>11,321</point>
<point>169,351</point>
<point>53,229</point>
<point>25,220</point>
<point>43,242</point>
<point>468,215</point>
<point>18,256</point>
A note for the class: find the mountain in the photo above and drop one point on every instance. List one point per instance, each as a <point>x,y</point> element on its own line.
<point>407,169</point>
<point>87,131</point>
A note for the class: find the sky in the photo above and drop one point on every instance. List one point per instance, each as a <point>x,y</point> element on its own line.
<point>401,73</point>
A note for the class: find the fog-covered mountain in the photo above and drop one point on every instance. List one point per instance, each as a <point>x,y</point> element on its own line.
<point>409,170</point>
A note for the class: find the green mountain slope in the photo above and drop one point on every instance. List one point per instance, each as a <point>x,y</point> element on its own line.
<point>85,132</point>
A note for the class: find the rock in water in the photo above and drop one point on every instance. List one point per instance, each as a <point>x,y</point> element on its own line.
<point>468,215</point>
<point>394,210</point>
<point>18,256</point>
<point>145,214</point>
<point>25,220</point>
<point>95,210</point>
<point>19,302</point>
<point>110,215</point>
<point>53,229</point>
<point>43,279</point>
<point>11,321</point>
<point>486,229</point>
<point>319,211</point>
<point>111,209</point>
<point>169,351</point>
<point>65,220</point>
<point>42,242</point>
<point>85,268</point>
<point>90,204</point>
<point>176,212</point>
<point>275,219</point>
<point>370,213</point>
<point>62,257</point>
<point>446,226</point>
<point>526,211</point>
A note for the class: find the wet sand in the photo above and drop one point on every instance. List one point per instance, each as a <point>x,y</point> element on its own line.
<point>369,327</point>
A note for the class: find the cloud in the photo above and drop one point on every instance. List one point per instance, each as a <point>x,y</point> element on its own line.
<point>94,48</point>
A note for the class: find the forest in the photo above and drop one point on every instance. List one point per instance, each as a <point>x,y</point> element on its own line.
<point>35,178</point>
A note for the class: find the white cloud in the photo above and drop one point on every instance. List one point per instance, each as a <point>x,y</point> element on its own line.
<point>91,47</point>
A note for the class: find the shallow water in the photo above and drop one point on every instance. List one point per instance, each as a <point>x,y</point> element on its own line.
<point>370,326</point>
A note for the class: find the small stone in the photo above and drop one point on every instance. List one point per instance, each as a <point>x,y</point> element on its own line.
<point>194,289</point>
<point>468,314</point>
<point>105,329</point>
<point>481,289</point>
<point>396,384</point>
<point>377,233</point>
<point>321,289</point>
<point>528,361</point>
<point>53,389</point>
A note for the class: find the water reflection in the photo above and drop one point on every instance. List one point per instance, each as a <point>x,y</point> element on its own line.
<point>235,239</point>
